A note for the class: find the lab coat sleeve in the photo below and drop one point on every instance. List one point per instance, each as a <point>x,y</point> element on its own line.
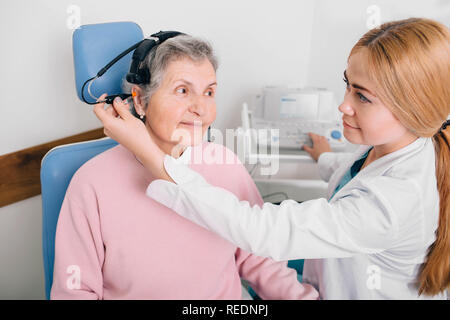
<point>361,221</point>
<point>328,162</point>
<point>79,250</point>
<point>270,279</point>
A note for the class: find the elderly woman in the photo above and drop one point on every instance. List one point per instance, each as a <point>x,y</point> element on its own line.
<point>136,248</point>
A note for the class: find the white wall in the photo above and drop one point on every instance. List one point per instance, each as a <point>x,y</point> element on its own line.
<point>21,269</point>
<point>41,100</point>
<point>258,43</point>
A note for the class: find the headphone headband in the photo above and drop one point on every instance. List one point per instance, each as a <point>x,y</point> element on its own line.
<point>135,75</point>
<point>142,76</point>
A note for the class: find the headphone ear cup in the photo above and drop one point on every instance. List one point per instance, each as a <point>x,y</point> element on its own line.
<point>144,76</point>
<point>131,77</point>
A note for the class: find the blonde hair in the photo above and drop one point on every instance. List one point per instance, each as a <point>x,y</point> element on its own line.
<point>409,61</point>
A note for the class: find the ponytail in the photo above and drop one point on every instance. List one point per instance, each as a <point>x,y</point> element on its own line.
<point>434,276</point>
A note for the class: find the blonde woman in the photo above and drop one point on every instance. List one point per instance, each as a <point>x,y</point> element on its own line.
<point>383,231</point>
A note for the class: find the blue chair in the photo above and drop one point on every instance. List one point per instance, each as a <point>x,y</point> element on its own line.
<point>93,47</point>
<point>57,168</point>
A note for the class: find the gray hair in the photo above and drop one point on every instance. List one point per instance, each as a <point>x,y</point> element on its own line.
<point>183,46</point>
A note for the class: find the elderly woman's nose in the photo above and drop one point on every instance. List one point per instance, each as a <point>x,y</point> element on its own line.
<point>197,106</point>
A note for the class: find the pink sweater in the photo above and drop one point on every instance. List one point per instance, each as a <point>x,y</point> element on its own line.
<point>114,242</point>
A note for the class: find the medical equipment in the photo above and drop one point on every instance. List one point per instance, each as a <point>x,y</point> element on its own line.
<point>137,74</point>
<point>289,114</point>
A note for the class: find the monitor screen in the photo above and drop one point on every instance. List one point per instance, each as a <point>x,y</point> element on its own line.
<point>303,106</point>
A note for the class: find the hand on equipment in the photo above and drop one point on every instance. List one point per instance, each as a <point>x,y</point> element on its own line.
<point>320,145</point>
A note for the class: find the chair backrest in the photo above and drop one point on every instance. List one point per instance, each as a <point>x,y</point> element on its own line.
<point>94,46</point>
<point>57,168</point>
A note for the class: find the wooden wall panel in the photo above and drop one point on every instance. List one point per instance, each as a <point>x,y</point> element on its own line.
<point>20,170</point>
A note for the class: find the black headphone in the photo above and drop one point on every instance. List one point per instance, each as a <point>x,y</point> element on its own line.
<point>136,74</point>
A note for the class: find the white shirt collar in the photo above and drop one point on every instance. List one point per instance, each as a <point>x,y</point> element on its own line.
<point>185,157</point>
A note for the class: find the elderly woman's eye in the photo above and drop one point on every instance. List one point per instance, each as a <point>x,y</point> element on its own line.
<point>210,93</point>
<point>181,90</point>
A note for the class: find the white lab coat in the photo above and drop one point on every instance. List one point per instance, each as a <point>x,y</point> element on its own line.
<point>366,243</point>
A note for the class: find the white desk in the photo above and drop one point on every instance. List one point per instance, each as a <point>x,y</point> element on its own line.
<point>297,178</point>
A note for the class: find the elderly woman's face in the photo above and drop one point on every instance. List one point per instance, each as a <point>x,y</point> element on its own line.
<point>184,105</point>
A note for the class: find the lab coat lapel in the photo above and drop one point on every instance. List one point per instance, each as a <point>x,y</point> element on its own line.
<point>345,166</point>
<point>376,168</point>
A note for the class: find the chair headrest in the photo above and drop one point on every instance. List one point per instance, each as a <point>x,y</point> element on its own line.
<point>95,45</point>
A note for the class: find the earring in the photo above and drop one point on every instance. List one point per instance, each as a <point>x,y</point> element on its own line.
<point>141,116</point>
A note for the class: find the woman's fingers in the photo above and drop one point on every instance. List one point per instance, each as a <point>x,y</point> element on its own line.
<point>307,148</point>
<point>98,108</point>
<point>111,111</point>
<point>319,145</point>
<point>315,137</point>
<point>119,108</point>
<point>122,108</point>
<point>107,116</point>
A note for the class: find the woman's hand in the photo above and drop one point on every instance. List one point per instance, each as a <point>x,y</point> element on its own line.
<point>121,126</point>
<point>320,145</point>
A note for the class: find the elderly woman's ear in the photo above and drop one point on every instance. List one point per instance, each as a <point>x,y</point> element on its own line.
<point>138,101</point>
